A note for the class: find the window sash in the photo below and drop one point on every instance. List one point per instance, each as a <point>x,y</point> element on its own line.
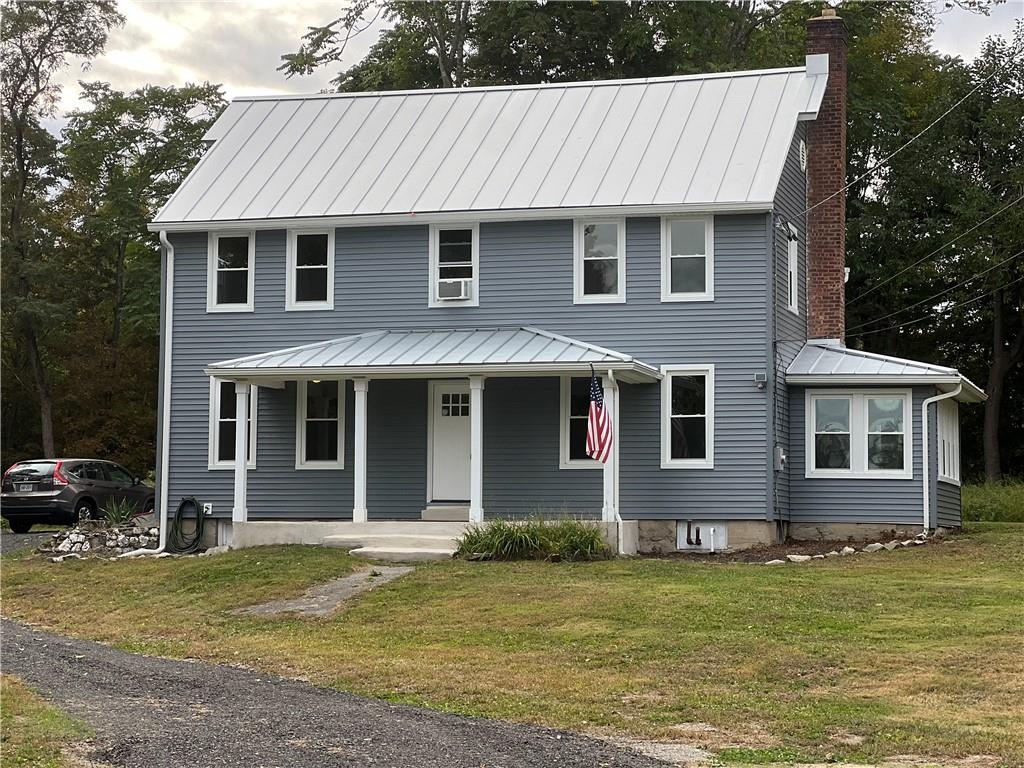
<point>949,442</point>
<point>292,300</point>
<point>859,435</point>
<point>222,417</point>
<point>303,421</point>
<point>670,418</point>
<point>444,273</point>
<point>568,420</point>
<point>581,258</point>
<point>215,269</point>
<point>669,257</point>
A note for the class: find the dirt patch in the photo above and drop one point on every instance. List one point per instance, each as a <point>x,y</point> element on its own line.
<point>324,599</point>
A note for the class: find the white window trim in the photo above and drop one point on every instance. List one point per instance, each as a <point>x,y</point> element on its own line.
<point>793,270</point>
<point>668,371</point>
<point>708,294</point>
<point>300,430</point>
<point>948,432</point>
<point>859,435</point>
<point>564,462</point>
<point>434,249</point>
<point>290,303</point>
<point>579,297</point>
<point>214,431</point>
<point>211,273</point>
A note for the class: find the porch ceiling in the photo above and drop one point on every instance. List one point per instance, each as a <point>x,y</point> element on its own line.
<point>445,352</point>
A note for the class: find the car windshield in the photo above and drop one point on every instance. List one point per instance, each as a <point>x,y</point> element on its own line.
<point>32,471</point>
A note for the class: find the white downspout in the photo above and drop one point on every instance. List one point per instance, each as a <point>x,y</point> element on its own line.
<point>925,460</point>
<point>165,416</point>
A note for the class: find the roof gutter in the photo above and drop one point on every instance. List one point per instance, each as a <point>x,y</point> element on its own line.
<point>925,459</point>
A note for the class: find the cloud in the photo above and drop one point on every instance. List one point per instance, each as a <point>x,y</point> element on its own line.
<point>236,44</point>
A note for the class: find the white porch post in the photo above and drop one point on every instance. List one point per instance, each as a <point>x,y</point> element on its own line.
<point>610,507</point>
<point>239,512</point>
<point>359,514</point>
<point>476,449</point>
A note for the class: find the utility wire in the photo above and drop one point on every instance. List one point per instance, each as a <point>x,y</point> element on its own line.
<point>925,258</point>
<point>947,309</point>
<point>914,138</point>
<point>940,293</point>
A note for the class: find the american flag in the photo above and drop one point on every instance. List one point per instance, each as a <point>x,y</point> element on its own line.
<point>599,424</point>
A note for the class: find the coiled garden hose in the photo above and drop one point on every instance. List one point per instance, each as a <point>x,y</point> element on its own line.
<point>180,542</point>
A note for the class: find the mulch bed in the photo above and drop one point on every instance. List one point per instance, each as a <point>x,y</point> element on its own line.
<point>765,552</point>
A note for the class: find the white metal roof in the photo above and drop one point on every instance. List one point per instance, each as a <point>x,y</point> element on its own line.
<point>825,361</point>
<point>493,351</point>
<point>687,141</point>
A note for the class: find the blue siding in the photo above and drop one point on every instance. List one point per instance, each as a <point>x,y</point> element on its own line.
<point>947,498</point>
<point>790,330</point>
<point>526,279</point>
<point>898,502</point>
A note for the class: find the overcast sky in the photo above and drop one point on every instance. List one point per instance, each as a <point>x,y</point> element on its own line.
<point>239,44</point>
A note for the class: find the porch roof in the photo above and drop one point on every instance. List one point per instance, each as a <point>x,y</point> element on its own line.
<point>436,352</point>
<point>826,361</point>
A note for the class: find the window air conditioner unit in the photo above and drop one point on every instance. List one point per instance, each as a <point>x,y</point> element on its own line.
<point>454,290</point>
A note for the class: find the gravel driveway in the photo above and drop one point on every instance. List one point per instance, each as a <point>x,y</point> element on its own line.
<point>156,712</point>
<point>9,542</point>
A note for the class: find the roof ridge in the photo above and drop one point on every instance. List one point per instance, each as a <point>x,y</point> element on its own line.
<point>523,86</point>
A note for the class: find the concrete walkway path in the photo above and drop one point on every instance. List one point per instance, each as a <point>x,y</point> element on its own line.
<point>160,713</point>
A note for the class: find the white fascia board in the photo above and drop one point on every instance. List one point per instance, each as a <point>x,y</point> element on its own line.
<point>460,217</point>
<point>630,372</point>
<point>971,393</point>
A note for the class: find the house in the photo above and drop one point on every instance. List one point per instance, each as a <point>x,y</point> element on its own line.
<point>387,307</point>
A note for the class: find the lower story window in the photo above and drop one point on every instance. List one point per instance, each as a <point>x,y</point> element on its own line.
<point>319,432</point>
<point>688,405</point>
<point>575,412</point>
<point>858,434</point>
<point>222,425</point>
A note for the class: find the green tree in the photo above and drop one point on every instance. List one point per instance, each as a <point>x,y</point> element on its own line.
<point>36,40</point>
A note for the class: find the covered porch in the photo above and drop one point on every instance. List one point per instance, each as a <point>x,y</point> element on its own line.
<point>424,411</point>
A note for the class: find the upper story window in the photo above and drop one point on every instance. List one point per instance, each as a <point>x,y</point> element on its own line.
<point>599,263</point>
<point>688,417</point>
<point>222,425</point>
<point>687,258</point>
<point>575,412</point>
<point>310,281</point>
<point>793,270</point>
<point>319,431</point>
<point>859,434</point>
<point>949,441</point>
<point>230,268</point>
<point>454,265</point>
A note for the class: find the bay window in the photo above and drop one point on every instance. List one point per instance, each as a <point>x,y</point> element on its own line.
<point>859,434</point>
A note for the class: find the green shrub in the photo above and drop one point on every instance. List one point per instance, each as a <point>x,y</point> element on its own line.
<point>118,511</point>
<point>994,502</point>
<point>533,539</point>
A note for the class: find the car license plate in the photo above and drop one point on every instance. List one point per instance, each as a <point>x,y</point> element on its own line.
<point>23,487</point>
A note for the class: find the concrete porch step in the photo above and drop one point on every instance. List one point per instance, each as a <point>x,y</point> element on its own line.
<point>403,554</point>
<point>389,540</point>
<point>445,513</point>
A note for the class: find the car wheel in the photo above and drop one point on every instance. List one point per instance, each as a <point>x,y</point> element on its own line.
<point>85,509</point>
<point>20,526</point>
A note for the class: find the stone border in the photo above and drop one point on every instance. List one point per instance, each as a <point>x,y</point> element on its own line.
<point>919,540</point>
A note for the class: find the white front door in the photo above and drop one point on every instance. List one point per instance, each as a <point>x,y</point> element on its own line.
<point>449,446</point>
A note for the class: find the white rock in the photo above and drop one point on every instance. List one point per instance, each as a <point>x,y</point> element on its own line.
<point>776,562</point>
<point>919,542</point>
<point>798,558</point>
<point>64,546</point>
<point>817,557</point>
<point>153,532</point>
<point>833,553</point>
<point>891,545</point>
<point>86,546</point>
<point>907,543</point>
<point>143,541</point>
<point>76,538</point>
<point>847,551</point>
<point>873,547</point>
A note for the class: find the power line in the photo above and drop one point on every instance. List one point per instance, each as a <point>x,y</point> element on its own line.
<point>914,138</point>
<point>925,258</point>
<point>940,293</point>
<point>931,315</point>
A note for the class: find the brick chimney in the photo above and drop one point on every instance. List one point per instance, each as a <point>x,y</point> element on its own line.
<point>826,173</point>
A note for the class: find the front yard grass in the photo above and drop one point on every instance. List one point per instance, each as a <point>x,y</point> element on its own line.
<point>916,651</point>
<point>32,732</point>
